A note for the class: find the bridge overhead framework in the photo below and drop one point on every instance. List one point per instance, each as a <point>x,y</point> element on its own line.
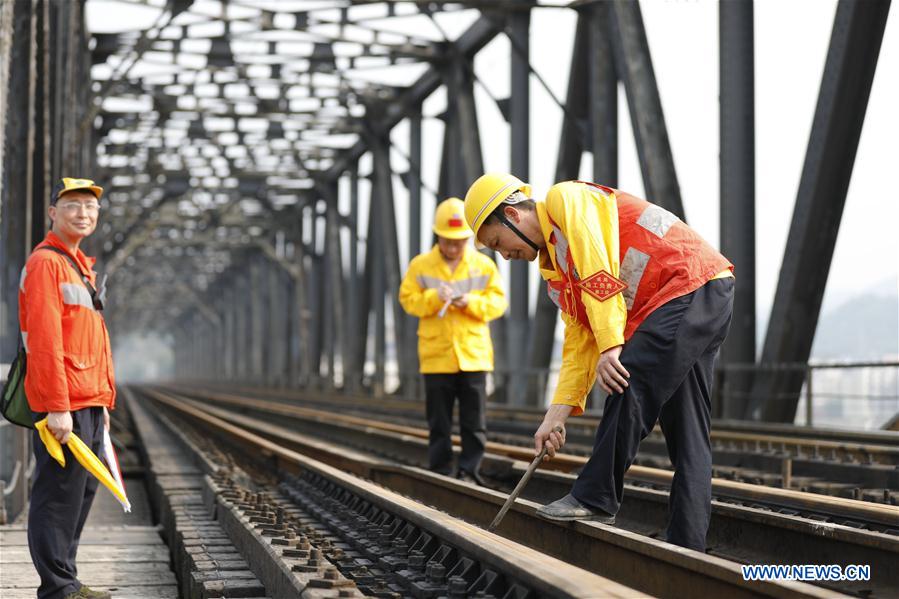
<point>259,155</point>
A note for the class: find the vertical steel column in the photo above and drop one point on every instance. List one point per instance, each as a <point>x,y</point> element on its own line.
<point>411,385</point>
<point>239,340</point>
<point>383,183</point>
<point>15,216</point>
<point>355,331</point>
<point>448,183</point>
<point>468,146</point>
<point>17,189</point>
<point>315,295</point>
<point>227,345</point>
<point>276,337</point>
<point>42,143</point>
<point>737,160</point>
<point>519,23</point>
<point>375,249</point>
<point>842,101</point>
<point>301,309</point>
<point>602,88</point>
<point>257,318</point>
<point>336,279</point>
<point>634,66</point>
<point>246,329</point>
<point>368,292</point>
<point>328,341</point>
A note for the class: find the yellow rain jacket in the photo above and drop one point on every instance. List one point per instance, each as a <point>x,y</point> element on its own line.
<point>460,340</point>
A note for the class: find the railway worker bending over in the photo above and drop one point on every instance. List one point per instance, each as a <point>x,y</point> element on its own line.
<point>646,304</point>
<point>454,291</point>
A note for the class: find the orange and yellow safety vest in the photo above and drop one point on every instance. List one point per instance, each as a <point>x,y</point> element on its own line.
<point>611,259</point>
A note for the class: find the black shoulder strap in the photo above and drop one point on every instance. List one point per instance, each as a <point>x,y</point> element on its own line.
<point>84,279</point>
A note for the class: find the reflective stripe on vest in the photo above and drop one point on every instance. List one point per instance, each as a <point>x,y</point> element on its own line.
<point>656,219</point>
<point>76,294</point>
<point>465,285</point>
<point>632,268</point>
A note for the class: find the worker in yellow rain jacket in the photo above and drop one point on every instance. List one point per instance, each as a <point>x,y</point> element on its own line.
<point>454,291</point>
<point>646,304</point>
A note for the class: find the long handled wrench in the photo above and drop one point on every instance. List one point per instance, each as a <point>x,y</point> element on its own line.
<point>518,488</point>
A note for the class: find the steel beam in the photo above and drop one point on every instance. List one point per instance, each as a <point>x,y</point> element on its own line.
<point>634,65</point>
<point>366,328</point>
<point>375,248</point>
<point>338,285</point>
<point>518,30</point>
<point>42,143</point>
<point>276,336</point>
<point>229,345</point>
<point>411,385</point>
<point>602,96</point>
<point>17,170</point>
<point>355,331</point>
<point>314,285</point>
<point>302,314</point>
<point>468,44</point>
<point>384,206</point>
<point>842,102</point>
<point>737,160</point>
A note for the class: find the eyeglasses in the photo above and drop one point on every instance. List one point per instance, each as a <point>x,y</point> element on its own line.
<point>76,206</point>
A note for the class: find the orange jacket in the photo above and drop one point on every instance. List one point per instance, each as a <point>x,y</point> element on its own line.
<point>69,358</point>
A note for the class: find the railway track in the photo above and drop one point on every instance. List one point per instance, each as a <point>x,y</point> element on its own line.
<point>750,524</point>
<point>862,466</point>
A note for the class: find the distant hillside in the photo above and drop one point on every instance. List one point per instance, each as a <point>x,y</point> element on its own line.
<point>865,327</point>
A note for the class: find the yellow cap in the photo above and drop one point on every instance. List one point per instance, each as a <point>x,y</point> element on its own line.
<point>70,184</point>
<point>449,220</point>
<point>487,193</point>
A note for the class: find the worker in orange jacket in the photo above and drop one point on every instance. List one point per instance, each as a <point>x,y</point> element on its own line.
<point>454,291</point>
<point>69,378</point>
<point>646,304</point>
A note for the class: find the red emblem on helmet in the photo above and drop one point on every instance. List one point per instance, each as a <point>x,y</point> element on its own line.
<point>602,285</point>
<point>456,221</point>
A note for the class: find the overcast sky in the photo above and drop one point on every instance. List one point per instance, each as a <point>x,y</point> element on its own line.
<point>791,45</point>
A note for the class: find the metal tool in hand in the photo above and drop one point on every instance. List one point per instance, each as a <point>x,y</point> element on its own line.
<point>518,488</point>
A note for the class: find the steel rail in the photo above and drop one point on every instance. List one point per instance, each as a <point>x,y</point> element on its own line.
<point>877,442</point>
<point>882,514</point>
<point>646,564</point>
<point>551,577</point>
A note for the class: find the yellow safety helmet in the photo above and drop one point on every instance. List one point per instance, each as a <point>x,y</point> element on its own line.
<point>487,193</point>
<point>449,221</point>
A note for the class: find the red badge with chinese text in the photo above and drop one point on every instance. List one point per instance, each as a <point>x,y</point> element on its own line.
<point>602,285</point>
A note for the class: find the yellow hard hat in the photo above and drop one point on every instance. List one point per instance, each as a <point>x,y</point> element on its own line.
<point>487,193</point>
<point>68,184</point>
<point>449,221</point>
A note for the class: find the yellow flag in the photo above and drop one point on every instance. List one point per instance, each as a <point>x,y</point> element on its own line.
<point>85,457</point>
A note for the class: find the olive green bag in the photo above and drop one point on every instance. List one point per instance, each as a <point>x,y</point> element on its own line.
<point>15,405</point>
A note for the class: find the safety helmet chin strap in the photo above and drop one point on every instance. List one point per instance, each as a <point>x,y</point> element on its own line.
<point>502,218</point>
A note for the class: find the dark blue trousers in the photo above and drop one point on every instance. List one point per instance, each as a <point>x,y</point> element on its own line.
<point>60,501</point>
<point>441,392</point>
<point>671,361</point>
